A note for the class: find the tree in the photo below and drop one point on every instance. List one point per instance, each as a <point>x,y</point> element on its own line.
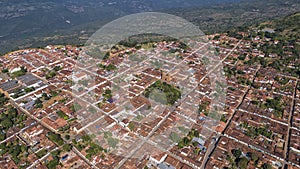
<point>266,166</point>
<point>86,138</point>
<point>67,137</point>
<point>180,144</point>
<point>131,126</point>
<point>23,69</point>
<point>236,152</point>
<point>3,99</point>
<point>50,74</point>
<point>195,143</point>
<point>41,153</point>
<point>12,112</point>
<point>202,107</point>
<point>38,103</point>
<point>21,72</point>
<point>4,70</point>
<point>111,67</point>
<point>254,157</point>
<point>243,162</point>
<point>88,156</point>
<point>57,68</point>
<point>56,138</point>
<point>52,164</point>
<point>196,133</point>
<point>186,141</point>
<point>6,123</point>
<point>67,147</point>
<point>2,136</point>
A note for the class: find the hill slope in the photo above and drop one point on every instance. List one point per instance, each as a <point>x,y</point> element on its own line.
<point>34,23</point>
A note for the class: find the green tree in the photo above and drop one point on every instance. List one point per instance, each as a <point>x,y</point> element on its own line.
<point>67,137</point>
<point>6,123</point>
<point>38,103</point>
<point>254,157</point>
<point>186,141</point>
<point>243,162</point>
<point>266,166</point>
<point>111,67</point>
<point>4,70</point>
<point>236,153</point>
<point>131,126</point>
<point>2,136</point>
<point>67,147</point>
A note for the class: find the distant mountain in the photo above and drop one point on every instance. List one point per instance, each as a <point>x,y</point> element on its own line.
<point>288,27</point>
<point>22,18</point>
<point>33,23</point>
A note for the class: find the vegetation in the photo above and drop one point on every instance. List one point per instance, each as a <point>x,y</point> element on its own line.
<point>224,17</point>
<point>276,105</point>
<point>38,103</point>
<point>236,153</point>
<point>240,160</point>
<point>67,147</point>
<point>92,148</point>
<point>253,157</point>
<point>107,94</point>
<point>138,40</point>
<point>57,68</point>
<point>223,118</point>
<point>21,72</point>
<point>10,118</point>
<point>56,138</point>
<point>51,74</point>
<point>17,151</point>
<point>171,93</point>
<point>4,71</point>
<point>67,137</point>
<point>254,132</point>
<point>131,126</point>
<point>266,166</point>
<point>3,99</point>
<point>109,68</point>
<point>188,139</point>
<point>55,162</point>
<point>137,58</point>
<point>41,153</point>
<point>21,92</point>
<point>61,114</point>
<point>112,142</point>
<point>203,106</point>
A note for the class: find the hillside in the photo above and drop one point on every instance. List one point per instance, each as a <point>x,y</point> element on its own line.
<point>35,23</point>
<point>287,27</point>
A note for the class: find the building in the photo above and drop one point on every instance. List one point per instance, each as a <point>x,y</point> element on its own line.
<point>9,86</point>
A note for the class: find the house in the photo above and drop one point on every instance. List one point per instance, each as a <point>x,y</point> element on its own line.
<point>9,86</point>
<point>28,80</point>
<point>199,140</point>
<point>79,76</point>
<point>165,166</point>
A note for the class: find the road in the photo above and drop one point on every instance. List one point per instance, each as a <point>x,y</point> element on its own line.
<point>178,103</point>
<point>290,124</point>
<point>22,130</point>
<point>52,130</point>
<point>212,147</point>
<point>41,159</point>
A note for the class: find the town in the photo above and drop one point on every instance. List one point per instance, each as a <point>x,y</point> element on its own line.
<point>147,106</point>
